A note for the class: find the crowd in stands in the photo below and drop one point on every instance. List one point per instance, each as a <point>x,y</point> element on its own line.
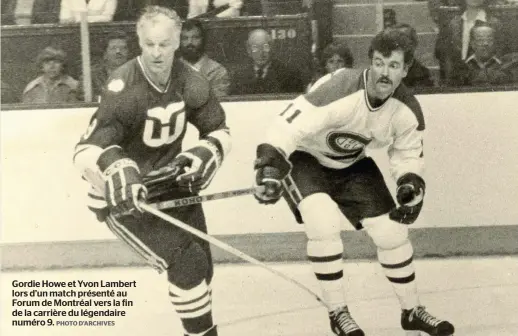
<point>472,48</point>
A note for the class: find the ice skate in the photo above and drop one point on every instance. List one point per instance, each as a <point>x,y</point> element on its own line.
<point>418,319</point>
<point>342,324</point>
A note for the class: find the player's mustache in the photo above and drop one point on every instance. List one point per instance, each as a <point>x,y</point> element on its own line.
<point>384,79</point>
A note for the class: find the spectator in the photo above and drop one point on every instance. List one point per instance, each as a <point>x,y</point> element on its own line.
<point>128,10</point>
<point>200,7</point>
<point>434,5</point>
<point>116,53</point>
<point>418,75</point>
<point>97,10</point>
<point>483,66</point>
<point>45,11</point>
<point>389,17</point>
<point>181,7</point>
<point>264,74</point>
<point>192,50</point>
<point>334,56</point>
<point>453,44</point>
<point>54,85</point>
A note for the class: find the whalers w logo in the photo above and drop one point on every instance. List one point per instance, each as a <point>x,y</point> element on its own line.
<point>349,144</point>
<point>164,125</point>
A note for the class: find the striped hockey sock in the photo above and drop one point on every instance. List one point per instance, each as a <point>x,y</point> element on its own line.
<point>194,307</point>
<point>326,260</point>
<point>399,269</point>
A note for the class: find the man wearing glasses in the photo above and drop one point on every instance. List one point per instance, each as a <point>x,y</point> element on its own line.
<point>264,74</point>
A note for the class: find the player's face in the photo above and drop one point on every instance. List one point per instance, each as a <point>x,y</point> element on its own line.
<point>191,44</point>
<point>334,63</point>
<point>117,52</point>
<point>159,41</point>
<point>386,73</point>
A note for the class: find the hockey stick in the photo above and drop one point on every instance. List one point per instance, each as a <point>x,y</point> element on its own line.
<point>202,198</point>
<point>225,247</point>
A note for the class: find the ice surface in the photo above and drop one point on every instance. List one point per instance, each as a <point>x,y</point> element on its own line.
<point>480,296</point>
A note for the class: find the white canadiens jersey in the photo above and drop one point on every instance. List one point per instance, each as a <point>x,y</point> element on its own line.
<point>336,123</point>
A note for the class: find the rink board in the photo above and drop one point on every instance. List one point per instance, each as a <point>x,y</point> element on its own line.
<point>470,207</point>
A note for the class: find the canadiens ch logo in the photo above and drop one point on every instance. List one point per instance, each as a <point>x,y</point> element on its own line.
<point>347,143</point>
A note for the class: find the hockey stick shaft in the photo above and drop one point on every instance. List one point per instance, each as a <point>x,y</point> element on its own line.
<point>202,198</point>
<point>225,247</point>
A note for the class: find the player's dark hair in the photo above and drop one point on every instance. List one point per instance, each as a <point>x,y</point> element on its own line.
<point>389,40</point>
<point>196,24</point>
<point>406,28</point>
<point>337,49</point>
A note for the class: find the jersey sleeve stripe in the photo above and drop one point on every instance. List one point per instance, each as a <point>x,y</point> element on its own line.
<point>85,158</point>
<point>221,138</point>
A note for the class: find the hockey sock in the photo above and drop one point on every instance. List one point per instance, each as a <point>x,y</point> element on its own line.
<point>399,269</point>
<point>194,307</point>
<point>326,260</point>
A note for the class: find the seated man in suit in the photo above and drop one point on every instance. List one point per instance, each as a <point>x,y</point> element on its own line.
<point>264,74</point>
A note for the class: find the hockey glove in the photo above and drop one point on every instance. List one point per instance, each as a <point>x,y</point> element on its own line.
<point>410,194</point>
<point>123,184</point>
<point>271,167</point>
<point>162,180</point>
<point>195,168</point>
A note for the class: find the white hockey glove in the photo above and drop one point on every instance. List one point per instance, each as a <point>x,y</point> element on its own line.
<point>271,167</point>
<point>410,195</point>
<point>123,184</point>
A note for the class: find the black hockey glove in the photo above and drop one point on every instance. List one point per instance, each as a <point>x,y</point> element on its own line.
<point>123,185</point>
<point>195,168</point>
<point>410,194</point>
<point>161,181</point>
<point>271,167</point>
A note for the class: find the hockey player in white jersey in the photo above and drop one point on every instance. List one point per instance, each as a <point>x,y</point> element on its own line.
<point>314,156</point>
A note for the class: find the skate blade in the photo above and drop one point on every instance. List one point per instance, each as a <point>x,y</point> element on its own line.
<point>417,333</point>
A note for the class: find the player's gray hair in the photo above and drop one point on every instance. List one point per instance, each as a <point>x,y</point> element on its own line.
<point>152,14</point>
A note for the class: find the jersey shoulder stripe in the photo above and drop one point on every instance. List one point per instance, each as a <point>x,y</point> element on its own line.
<point>403,95</point>
<point>342,84</point>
